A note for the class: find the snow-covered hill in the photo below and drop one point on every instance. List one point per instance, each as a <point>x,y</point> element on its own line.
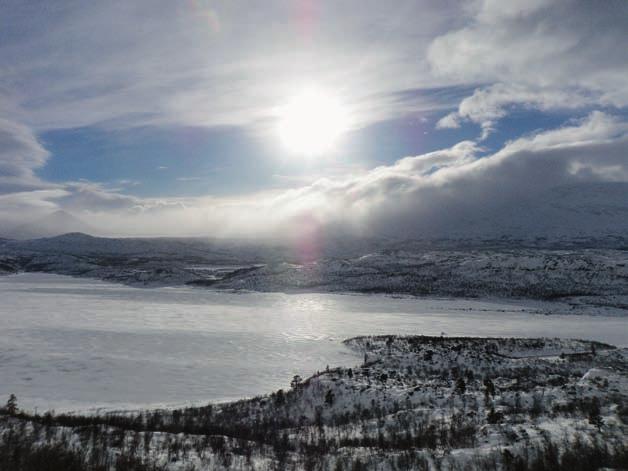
<point>583,271</point>
<point>414,403</point>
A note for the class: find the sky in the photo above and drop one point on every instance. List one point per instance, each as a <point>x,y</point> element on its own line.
<point>232,118</point>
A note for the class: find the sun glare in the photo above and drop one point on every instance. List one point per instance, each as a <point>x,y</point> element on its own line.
<point>311,123</point>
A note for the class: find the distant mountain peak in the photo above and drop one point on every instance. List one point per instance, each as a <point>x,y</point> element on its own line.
<point>54,224</point>
<point>73,235</point>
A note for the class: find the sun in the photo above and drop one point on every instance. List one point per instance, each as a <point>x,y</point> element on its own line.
<point>311,122</point>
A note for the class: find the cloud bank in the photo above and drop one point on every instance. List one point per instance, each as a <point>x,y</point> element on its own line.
<point>455,192</point>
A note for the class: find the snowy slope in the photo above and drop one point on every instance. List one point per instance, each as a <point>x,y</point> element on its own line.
<point>415,402</point>
<point>582,210</point>
<point>571,211</point>
<point>585,270</point>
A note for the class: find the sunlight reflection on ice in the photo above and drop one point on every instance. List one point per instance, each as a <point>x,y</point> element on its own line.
<point>73,343</point>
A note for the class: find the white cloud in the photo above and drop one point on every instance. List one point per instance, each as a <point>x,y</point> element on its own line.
<point>544,54</point>
<point>95,197</point>
<point>188,179</point>
<point>19,207</point>
<point>20,155</point>
<point>450,121</point>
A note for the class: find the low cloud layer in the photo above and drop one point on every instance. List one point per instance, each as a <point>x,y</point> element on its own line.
<point>447,192</point>
<point>455,192</point>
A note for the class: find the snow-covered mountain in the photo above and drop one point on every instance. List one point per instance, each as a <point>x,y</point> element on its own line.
<point>583,210</point>
<point>584,271</point>
<point>568,211</point>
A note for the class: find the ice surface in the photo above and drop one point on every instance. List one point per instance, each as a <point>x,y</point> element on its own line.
<point>73,344</point>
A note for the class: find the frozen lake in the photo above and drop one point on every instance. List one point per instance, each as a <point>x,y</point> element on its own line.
<point>70,344</point>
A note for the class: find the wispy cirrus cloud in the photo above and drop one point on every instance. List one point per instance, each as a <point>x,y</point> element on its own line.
<point>179,68</point>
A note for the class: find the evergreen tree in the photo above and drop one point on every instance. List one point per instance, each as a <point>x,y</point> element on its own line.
<point>329,398</point>
<point>296,382</point>
<point>11,406</point>
<point>461,386</point>
<point>595,415</point>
